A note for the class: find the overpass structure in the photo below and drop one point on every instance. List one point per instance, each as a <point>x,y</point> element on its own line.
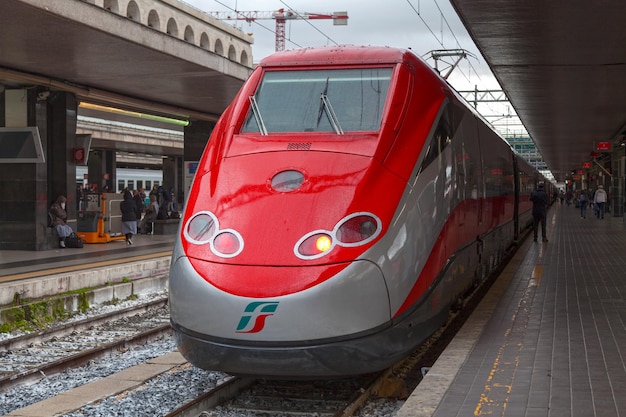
<point>158,56</point>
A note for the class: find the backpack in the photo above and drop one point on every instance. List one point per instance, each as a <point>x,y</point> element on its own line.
<point>162,213</point>
<point>50,219</point>
<point>582,198</point>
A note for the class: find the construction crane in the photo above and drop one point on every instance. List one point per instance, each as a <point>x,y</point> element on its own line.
<point>281,16</point>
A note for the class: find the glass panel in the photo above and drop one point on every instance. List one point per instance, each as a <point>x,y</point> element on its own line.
<point>311,101</point>
<point>20,145</point>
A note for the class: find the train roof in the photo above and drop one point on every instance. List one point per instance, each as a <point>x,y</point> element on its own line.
<point>343,54</point>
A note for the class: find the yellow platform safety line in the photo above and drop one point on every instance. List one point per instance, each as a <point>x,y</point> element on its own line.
<point>92,265</point>
<point>535,277</point>
<point>495,397</point>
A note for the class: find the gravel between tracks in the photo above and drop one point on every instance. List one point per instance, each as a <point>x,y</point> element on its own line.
<point>163,393</point>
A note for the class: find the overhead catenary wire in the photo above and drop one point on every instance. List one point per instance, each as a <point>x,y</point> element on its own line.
<point>441,41</point>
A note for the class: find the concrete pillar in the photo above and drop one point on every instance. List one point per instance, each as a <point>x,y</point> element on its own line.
<point>28,189</point>
<point>101,168</point>
<point>169,174</point>
<point>618,185</point>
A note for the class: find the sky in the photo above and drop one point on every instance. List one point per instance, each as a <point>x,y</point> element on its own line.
<point>421,25</point>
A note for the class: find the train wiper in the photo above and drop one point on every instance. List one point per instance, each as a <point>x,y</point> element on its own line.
<point>257,115</point>
<point>326,107</point>
<point>332,116</point>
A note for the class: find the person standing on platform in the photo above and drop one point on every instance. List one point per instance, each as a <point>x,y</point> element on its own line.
<point>583,201</point>
<point>129,216</point>
<point>599,199</point>
<point>540,200</point>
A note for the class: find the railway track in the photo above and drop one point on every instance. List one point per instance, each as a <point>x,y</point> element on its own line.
<point>29,357</point>
<point>247,397</point>
<point>222,395</point>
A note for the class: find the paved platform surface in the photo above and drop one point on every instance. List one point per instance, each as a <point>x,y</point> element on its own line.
<point>113,270</point>
<point>21,263</point>
<point>550,337</point>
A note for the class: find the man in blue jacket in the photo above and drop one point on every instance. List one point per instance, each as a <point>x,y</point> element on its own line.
<point>540,200</point>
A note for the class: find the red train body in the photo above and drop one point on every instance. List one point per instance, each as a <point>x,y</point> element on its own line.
<point>345,201</point>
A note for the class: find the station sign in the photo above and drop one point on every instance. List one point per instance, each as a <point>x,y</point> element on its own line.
<point>79,154</point>
<point>586,165</point>
<point>603,146</point>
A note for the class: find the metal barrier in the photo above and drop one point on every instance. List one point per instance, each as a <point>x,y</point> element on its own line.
<point>114,217</point>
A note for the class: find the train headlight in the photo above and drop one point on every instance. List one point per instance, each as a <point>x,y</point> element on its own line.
<point>203,227</point>
<point>227,244</point>
<point>314,245</point>
<point>323,243</point>
<point>358,229</point>
<point>354,230</point>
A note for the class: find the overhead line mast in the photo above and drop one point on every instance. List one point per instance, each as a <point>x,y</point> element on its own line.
<point>281,16</point>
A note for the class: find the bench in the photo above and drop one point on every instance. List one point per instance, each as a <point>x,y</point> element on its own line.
<point>165,227</point>
<point>52,239</point>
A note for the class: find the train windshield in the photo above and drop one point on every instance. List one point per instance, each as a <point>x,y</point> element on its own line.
<point>319,101</point>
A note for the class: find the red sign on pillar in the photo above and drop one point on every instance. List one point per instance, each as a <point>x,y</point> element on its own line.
<point>586,165</point>
<point>79,154</point>
<point>603,146</point>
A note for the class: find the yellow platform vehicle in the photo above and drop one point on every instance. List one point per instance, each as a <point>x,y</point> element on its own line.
<point>94,219</point>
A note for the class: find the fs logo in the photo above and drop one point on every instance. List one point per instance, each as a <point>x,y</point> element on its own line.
<point>255,314</point>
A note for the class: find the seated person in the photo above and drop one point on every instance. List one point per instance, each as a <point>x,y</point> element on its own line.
<point>151,214</point>
<point>59,219</point>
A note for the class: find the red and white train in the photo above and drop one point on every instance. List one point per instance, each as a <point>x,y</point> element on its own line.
<point>347,198</point>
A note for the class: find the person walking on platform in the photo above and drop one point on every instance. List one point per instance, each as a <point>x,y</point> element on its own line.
<point>128,207</point>
<point>583,201</point>
<point>599,199</point>
<point>540,200</point>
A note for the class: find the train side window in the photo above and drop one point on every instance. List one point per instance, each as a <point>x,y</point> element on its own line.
<point>120,186</point>
<point>440,140</point>
<point>131,184</point>
<point>446,128</point>
<point>139,184</point>
<point>148,185</point>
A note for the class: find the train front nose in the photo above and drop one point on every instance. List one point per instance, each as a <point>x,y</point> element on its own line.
<point>325,329</point>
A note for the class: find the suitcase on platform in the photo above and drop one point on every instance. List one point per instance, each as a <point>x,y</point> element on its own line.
<point>73,241</point>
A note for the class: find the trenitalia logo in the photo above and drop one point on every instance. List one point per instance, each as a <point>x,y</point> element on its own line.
<point>255,314</point>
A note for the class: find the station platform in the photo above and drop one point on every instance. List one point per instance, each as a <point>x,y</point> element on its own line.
<point>15,264</point>
<point>549,339</point>
<point>32,275</point>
